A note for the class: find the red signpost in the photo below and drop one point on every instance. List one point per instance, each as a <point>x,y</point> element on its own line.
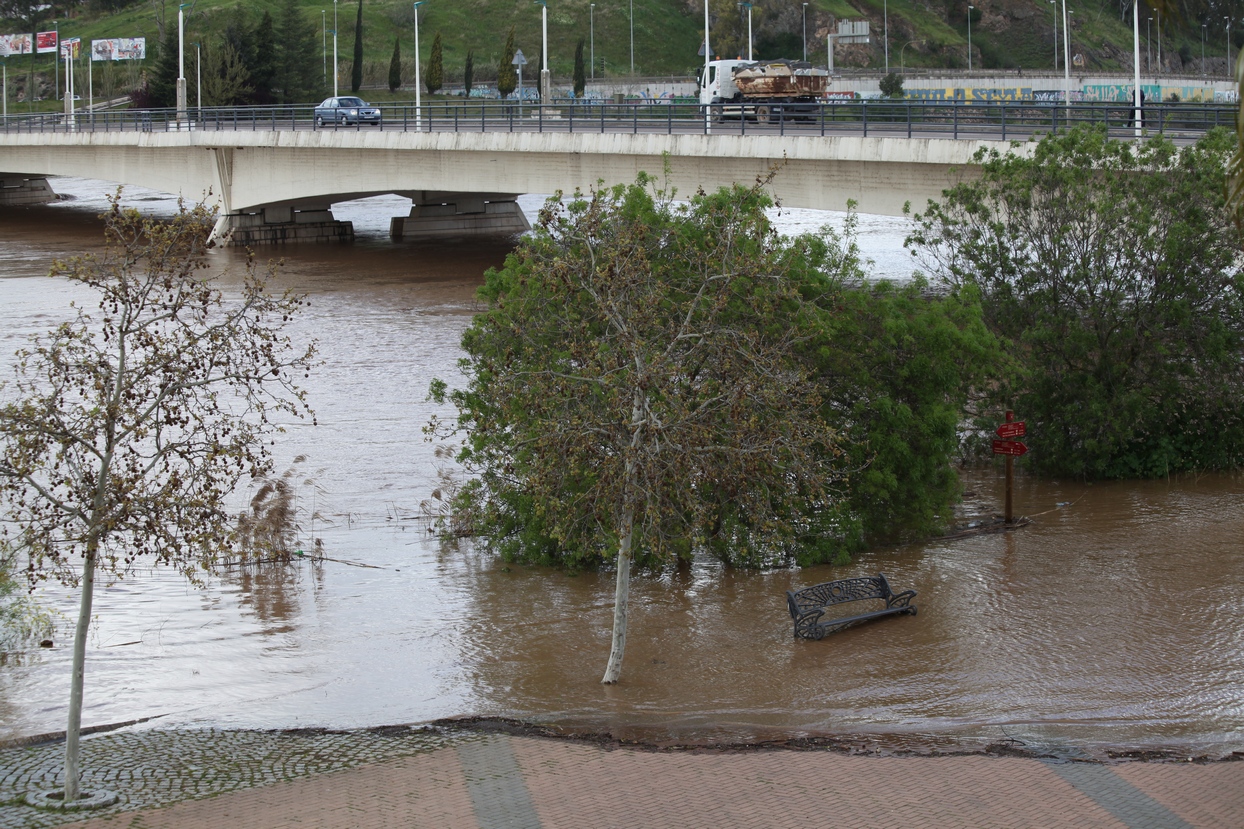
<point>1012,449</point>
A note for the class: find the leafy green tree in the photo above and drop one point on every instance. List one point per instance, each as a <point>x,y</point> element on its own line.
<point>435,77</point>
<point>126,430</point>
<point>580,73</point>
<point>395,65</point>
<point>225,76</point>
<point>468,72</point>
<point>507,78</point>
<point>162,88</point>
<point>892,85</point>
<point>356,69</point>
<point>264,60</point>
<point>1111,269</point>
<point>637,360</point>
<point>298,78</point>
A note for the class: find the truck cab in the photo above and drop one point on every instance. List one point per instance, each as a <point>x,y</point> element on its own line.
<point>719,85</point>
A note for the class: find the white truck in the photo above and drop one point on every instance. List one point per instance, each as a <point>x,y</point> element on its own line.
<point>763,90</point>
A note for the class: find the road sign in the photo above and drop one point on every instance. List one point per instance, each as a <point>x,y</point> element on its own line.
<point>1009,447</point>
<point>519,60</point>
<point>1016,429</point>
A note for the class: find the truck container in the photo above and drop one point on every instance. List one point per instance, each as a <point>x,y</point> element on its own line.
<point>764,90</point>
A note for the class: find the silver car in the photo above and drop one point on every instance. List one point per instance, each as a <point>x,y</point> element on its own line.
<point>346,110</point>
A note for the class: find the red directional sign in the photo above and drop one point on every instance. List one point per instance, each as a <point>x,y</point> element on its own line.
<point>1016,429</point>
<point>1009,447</point>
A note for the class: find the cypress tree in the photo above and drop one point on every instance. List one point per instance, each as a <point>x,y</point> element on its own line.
<point>580,74</point>
<point>435,79</point>
<point>395,66</point>
<point>507,79</point>
<point>356,71</point>
<point>468,72</point>
<point>162,88</point>
<point>297,76</point>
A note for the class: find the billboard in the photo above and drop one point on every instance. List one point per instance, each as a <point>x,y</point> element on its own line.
<point>45,42</point>
<point>16,45</point>
<point>119,48</point>
<point>71,48</point>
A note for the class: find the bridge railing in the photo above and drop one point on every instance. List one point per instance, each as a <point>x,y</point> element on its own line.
<point>908,119</point>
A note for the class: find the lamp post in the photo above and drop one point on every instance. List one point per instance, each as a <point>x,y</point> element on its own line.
<point>324,41</point>
<point>805,32</point>
<point>708,124</point>
<point>55,59</point>
<point>546,77</point>
<point>970,8</point>
<point>748,6</point>
<point>1066,60</point>
<point>1148,47</point>
<point>1203,72</point>
<point>418,102</point>
<point>885,11</point>
<point>336,71</point>
<point>1054,6</point>
<point>592,18</point>
<point>1136,114</point>
<point>1228,48</point>
<point>632,36</point>
<point>900,54</point>
<point>181,61</point>
<point>1159,41</point>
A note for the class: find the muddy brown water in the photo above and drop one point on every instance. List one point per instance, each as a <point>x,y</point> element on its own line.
<point>1112,620</point>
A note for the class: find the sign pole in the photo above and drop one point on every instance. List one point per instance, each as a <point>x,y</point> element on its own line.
<point>1010,478</point>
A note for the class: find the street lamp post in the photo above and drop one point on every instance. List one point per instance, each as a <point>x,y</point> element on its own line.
<point>632,36</point>
<point>885,12</point>
<point>708,124</point>
<point>418,100</point>
<point>1066,60</point>
<point>546,77</point>
<point>970,8</point>
<point>324,41</point>
<point>1203,72</point>
<point>1228,48</point>
<point>1159,41</point>
<point>805,32</point>
<point>592,18</point>
<point>901,70</point>
<point>1148,47</point>
<point>55,59</point>
<point>1137,115</point>
<point>181,61</point>
<point>1054,6</point>
<point>336,71</point>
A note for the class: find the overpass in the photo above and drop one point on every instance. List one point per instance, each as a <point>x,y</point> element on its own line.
<point>275,179</point>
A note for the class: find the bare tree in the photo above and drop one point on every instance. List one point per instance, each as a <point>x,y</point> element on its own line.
<point>129,427</point>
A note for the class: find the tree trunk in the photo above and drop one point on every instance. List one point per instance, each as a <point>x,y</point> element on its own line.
<point>73,731</point>
<point>621,596</point>
<point>622,588</point>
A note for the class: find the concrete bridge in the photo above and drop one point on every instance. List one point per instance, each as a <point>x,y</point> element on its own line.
<point>279,184</point>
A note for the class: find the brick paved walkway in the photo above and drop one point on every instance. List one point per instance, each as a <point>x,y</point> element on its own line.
<point>496,781</point>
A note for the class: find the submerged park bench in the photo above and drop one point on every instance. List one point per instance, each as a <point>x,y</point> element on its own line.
<point>808,605</point>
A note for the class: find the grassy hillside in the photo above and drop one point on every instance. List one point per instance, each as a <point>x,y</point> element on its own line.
<point>1006,34</point>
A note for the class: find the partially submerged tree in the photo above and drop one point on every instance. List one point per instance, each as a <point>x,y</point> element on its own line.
<point>639,359</point>
<point>1111,270</point>
<point>125,430</point>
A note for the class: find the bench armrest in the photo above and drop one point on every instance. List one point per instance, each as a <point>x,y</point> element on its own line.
<point>901,599</point>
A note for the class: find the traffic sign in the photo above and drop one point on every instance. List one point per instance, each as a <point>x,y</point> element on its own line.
<point>1015,429</point>
<point>1009,447</point>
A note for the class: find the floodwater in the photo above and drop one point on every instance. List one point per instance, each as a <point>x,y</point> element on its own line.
<point>1112,620</point>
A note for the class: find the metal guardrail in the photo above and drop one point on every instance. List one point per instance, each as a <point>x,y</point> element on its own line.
<point>911,119</point>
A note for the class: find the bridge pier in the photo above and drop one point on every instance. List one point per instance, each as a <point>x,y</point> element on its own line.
<point>18,190</point>
<point>275,225</point>
<point>438,214</point>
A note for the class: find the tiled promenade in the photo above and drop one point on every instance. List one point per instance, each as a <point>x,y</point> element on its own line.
<point>400,778</point>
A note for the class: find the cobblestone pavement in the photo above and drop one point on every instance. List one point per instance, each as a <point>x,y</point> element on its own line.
<point>415,778</point>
